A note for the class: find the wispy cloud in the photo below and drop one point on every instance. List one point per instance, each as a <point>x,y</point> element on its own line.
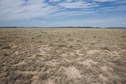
<point>104,0</point>
<point>113,8</point>
<point>26,10</point>
<point>54,0</point>
<point>21,9</point>
<point>77,4</point>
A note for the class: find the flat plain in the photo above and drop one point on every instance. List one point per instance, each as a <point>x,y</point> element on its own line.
<point>62,56</point>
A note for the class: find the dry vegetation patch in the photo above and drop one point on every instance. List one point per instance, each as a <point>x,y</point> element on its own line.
<point>62,56</point>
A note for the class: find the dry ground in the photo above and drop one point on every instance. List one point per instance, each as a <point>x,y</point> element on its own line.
<point>62,56</point>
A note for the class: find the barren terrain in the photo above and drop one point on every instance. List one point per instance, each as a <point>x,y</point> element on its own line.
<point>62,56</point>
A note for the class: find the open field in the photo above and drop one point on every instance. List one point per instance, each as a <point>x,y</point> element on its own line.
<point>62,56</point>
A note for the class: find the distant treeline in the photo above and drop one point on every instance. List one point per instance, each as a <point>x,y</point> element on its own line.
<point>76,27</point>
<point>64,27</point>
<point>49,27</point>
<point>116,27</point>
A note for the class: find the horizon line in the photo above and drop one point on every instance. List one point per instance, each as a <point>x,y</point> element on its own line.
<point>56,27</point>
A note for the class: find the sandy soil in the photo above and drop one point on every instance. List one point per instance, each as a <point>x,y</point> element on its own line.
<point>62,56</point>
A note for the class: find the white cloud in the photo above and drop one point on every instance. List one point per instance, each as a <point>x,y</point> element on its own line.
<point>120,2</point>
<point>72,13</point>
<point>20,9</point>
<point>78,4</point>
<point>54,0</point>
<point>104,0</point>
<point>117,8</point>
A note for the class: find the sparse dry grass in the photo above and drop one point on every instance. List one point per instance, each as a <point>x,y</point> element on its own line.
<point>62,56</point>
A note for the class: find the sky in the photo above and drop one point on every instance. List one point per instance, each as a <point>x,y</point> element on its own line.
<point>55,13</point>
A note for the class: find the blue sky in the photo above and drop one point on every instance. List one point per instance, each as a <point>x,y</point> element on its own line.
<point>51,13</point>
